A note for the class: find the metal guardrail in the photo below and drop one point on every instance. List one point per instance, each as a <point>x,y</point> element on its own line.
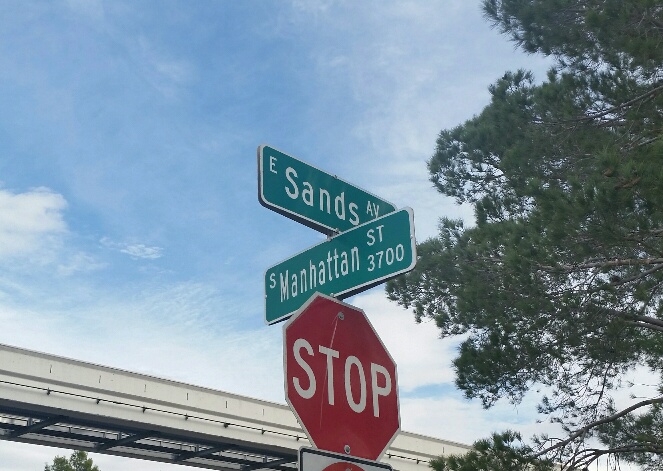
<point>49,400</point>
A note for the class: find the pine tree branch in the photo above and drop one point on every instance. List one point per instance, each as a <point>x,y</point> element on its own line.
<point>636,320</point>
<point>643,238</point>
<point>605,264</point>
<point>633,318</point>
<point>586,457</point>
<point>644,325</point>
<point>614,109</point>
<point>647,320</point>
<point>638,276</point>
<point>605,420</point>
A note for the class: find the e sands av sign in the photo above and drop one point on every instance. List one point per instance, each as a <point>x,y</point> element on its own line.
<point>315,198</point>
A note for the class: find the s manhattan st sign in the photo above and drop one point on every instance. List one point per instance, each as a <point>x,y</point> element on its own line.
<point>346,264</point>
<point>313,197</point>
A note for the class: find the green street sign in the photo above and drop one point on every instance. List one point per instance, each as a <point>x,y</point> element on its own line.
<point>346,264</point>
<point>312,197</point>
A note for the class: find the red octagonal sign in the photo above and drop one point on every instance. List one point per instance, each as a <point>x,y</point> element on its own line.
<point>340,380</point>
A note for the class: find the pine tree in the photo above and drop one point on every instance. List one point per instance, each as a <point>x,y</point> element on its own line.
<point>78,461</point>
<point>560,281</point>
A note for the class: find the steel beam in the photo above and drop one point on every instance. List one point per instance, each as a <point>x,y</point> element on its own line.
<point>17,432</point>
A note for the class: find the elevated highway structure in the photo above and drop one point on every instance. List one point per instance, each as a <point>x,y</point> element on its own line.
<point>50,400</point>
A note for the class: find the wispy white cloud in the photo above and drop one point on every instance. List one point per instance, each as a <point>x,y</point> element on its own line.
<point>30,221</point>
<point>165,73</point>
<point>134,250</point>
<point>183,331</point>
<point>142,251</point>
<point>80,262</point>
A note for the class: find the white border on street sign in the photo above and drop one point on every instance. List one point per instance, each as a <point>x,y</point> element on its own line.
<point>312,459</point>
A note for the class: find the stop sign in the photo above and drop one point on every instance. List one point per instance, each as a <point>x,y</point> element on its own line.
<point>340,380</point>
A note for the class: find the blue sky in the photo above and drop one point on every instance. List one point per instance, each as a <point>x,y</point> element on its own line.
<point>130,229</point>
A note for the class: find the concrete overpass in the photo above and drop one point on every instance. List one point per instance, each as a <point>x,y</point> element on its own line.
<point>50,400</point>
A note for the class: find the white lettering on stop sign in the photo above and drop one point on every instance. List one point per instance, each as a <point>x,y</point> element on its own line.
<point>340,380</point>
<point>380,378</point>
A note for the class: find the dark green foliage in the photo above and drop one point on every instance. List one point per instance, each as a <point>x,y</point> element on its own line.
<point>560,281</point>
<point>78,461</point>
<point>499,453</point>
